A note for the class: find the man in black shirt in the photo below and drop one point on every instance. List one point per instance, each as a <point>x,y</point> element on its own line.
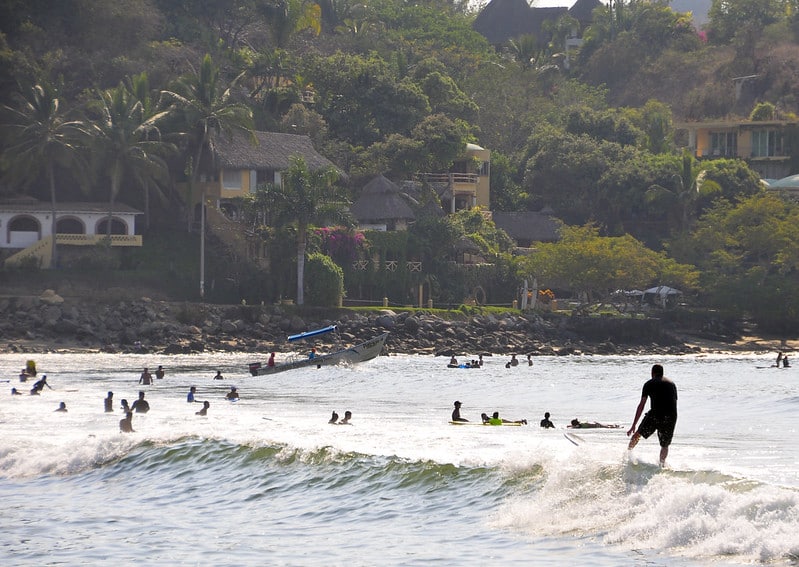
<point>662,414</point>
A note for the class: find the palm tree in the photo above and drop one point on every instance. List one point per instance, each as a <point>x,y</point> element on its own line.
<point>689,184</point>
<point>204,110</point>
<point>43,136</point>
<point>305,196</point>
<point>129,145</point>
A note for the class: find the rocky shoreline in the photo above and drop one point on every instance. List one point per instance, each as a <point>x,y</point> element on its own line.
<point>49,323</point>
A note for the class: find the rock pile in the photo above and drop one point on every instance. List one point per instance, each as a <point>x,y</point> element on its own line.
<point>55,324</point>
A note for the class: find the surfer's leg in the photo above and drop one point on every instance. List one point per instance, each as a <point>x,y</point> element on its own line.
<point>664,452</point>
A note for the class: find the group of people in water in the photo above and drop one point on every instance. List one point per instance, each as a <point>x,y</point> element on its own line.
<point>661,393</point>
<point>335,421</point>
<point>140,405</point>
<point>478,363</point>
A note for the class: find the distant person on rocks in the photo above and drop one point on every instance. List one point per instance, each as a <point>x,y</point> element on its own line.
<point>271,361</point>
<point>126,423</point>
<point>333,418</point>
<point>347,417</point>
<point>456,413</point>
<point>39,385</point>
<point>141,405</point>
<point>513,360</point>
<point>219,375</point>
<point>233,394</point>
<point>204,411</point>
<point>785,363</point>
<point>529,360</point>
<point>312,354</point>
<point>146,378</point>
<point>109,402</point>
<point>62,407</point>
<point>662,414</point>
<point>159,373</point>
<point>545,423</point>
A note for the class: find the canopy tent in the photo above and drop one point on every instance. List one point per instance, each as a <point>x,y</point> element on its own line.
<point>661,295</point>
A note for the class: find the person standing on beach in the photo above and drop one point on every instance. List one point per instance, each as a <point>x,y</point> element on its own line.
<point>662,414</point>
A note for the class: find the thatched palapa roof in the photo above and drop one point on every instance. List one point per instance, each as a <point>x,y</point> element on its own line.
<point>272,151</point>
<point>528,226</point>
<point>381,200</point>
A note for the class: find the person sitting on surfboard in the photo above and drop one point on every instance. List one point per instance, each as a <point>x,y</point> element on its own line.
<point>577,424</point>
<point>233,394</point>
<point>456,413</point>
<point>545,423</point>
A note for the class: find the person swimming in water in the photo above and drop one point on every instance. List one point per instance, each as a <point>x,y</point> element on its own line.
<point>126,423</point>
<point>333,419</point>
<point>204,411</point>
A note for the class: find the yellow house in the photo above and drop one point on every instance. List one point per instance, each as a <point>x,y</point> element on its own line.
<point>764,145</point>
<point>241,164</point>
<point>468,182</point>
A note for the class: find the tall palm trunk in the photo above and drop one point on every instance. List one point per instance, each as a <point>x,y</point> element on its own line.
<point>302,230</point>
<point>53,227</point>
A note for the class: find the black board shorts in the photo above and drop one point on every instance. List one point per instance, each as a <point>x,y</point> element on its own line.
<point>663,425</point>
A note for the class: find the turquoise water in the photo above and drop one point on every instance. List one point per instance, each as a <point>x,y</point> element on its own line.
<point>266,481</point>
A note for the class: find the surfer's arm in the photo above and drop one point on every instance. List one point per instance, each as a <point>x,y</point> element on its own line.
<point>638,411</point>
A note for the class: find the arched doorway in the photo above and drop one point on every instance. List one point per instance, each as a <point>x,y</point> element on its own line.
<point>117,226</point>
<point>70,225</point>
<point>22,231</point>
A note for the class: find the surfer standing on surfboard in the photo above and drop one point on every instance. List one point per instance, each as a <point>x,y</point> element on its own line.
<point>662,414</point>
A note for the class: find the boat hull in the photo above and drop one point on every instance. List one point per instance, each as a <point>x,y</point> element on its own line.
<point>358,353</point>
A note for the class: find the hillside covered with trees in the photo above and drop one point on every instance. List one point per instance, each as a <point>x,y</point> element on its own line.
<point>114,101</point>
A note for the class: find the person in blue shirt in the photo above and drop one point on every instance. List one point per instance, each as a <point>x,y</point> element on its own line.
<point>190,396</point>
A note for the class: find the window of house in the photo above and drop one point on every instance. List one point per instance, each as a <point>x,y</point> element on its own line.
<point>231,179</point>
<point>766,143</point>
<point>724,144</point>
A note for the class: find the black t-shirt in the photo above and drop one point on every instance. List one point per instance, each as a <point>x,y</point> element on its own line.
<point>662,396</point>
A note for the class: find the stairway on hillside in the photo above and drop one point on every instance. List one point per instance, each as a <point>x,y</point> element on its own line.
<point>233,235</point>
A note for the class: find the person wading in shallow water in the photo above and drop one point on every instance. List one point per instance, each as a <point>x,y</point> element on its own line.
<point>662,414</point>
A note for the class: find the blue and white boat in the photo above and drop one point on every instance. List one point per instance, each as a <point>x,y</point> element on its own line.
<point>351,355</point>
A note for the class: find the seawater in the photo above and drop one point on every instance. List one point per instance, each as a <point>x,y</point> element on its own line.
<point>266,481</point>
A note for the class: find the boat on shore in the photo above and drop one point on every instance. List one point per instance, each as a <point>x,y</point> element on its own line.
<point>360,352</point>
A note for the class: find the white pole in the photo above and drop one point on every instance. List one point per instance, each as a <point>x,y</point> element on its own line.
<point>202,245</point>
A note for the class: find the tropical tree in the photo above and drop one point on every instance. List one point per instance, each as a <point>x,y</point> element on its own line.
<point>306,196</point>
<point>203,110</point>
<point>43,136</point>
<point>689,184</point>
<point>128,144</point>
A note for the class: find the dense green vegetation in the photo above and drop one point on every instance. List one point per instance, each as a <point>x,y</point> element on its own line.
<point>115,101</point>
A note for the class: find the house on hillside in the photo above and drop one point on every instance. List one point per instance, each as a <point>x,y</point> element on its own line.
<point>239,165</point>
<point>26,228</point>
<point>528,227</point>
<point>763,145</point>
<point>382,207</point>
<point>467,184</point>
<point>503,20</point>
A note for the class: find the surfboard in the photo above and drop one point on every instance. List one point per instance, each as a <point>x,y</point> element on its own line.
<point>576,439</point>
<point>486,424</point>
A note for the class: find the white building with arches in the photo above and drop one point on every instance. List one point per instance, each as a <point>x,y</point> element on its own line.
<point>26,227</point>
